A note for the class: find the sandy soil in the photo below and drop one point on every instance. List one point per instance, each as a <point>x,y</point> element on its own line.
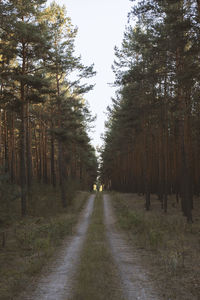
<point>135,280</point>
<point>57,281</point>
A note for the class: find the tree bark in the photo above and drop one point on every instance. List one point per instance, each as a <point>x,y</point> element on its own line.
<point>53,174</point>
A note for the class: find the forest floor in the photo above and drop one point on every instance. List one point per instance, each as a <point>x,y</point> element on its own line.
<point>116,251</point>
<point>96,262</point>
<point>56,280</point>
<point>28,244</point>
<point>168,245</point>
<point>136,280</point>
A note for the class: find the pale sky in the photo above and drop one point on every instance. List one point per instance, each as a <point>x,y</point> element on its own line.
<point>101,24</point>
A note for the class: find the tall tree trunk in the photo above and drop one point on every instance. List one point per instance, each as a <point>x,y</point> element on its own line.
<point>53,174</point>
<point>62,174</point>
<point>165,150</point>
<point>45,175</point>
<point>40,154</point>
<point>146,168</point>
<point>185,180</point>
<point>29,147</point>
<point>60,152</point>
<point>23,181</point>
<point>23,161</point>
<point>12,164</point>
<point>6,159</point>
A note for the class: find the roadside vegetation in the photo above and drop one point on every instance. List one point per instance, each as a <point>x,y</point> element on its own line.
<point>97,276</point>
<point>168,245</point>
<point>27,244</point>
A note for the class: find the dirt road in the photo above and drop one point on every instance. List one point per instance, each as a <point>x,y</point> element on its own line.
<point>58,281</point>
<point>136,282</point>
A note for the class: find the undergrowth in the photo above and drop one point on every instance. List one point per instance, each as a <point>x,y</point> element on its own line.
<point>170,245</point>
<point>30,242</point>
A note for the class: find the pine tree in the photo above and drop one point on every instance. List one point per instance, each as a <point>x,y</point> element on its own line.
<point>60,64</point>
<point>27,40</point>
<point>157,73</point>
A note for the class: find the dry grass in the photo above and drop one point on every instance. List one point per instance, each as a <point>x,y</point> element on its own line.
<point>30,242</point>
<point>97,276</point>
<point>169,246</point>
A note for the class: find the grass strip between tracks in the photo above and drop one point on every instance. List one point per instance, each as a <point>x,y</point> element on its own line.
<point>97,276</point>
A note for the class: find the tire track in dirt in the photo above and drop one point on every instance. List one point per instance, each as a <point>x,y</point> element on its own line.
<point>135,280</point>
<point>57,282</point>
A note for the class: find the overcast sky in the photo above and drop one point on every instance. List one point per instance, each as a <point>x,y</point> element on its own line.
<point>101,24</point>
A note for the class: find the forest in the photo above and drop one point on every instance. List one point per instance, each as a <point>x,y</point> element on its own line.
<point>153,123</point>
<point>44,118</point>
<point>119,221</point>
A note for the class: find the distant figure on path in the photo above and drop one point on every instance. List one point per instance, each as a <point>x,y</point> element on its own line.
<point>95,187</point>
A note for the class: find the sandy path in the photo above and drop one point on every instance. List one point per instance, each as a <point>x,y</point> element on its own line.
<point>135,280</point>
<point>57,282</point>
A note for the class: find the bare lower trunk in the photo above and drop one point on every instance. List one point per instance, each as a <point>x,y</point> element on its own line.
<point>62,174</point>
<point>53,175</point>
<point>45,175</point>
<point>23,162</point>
<point>12,164</point>
<point>29,147</point>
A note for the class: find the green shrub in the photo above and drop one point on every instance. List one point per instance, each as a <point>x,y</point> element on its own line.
<point>130,220</point>
<point>135,219</point>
